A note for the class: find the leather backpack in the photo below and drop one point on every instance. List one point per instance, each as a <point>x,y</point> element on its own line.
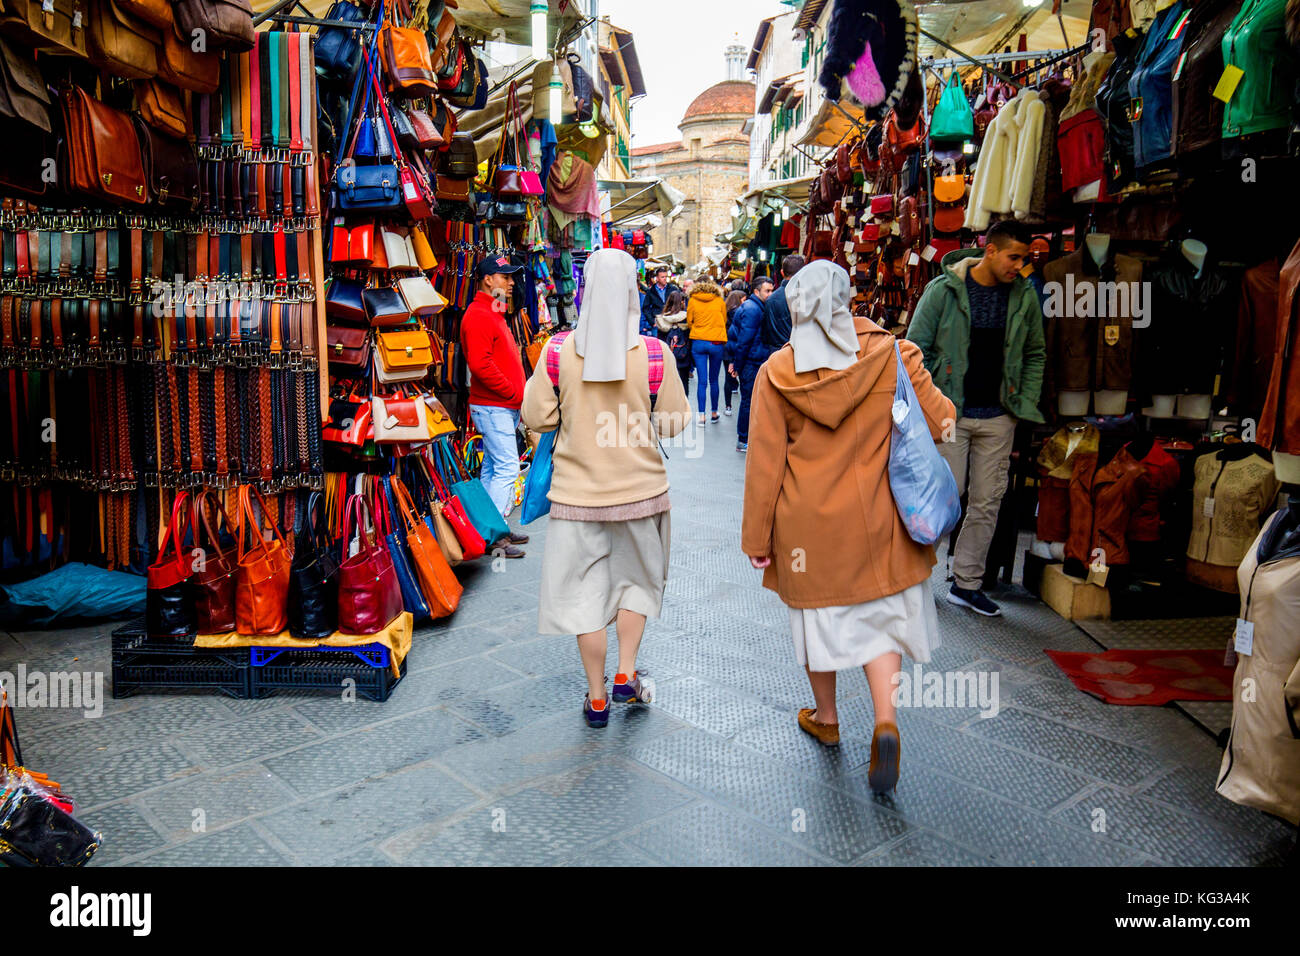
<point>120,43</point>
<point>226,24</point>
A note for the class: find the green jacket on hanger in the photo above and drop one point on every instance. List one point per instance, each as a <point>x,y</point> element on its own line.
<point>1256,44</point>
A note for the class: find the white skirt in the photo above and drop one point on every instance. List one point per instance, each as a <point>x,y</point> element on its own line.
<point>845,636</point>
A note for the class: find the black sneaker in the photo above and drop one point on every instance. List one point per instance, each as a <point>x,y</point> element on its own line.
<point>975,600</point>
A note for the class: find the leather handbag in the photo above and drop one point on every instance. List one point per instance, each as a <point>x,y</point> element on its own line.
<point>404,356</point>
<point>949,219</point>
<point>449,76</point>
<point>415,194</point>
<point>313,578</point>
<point>54,27</point>
<point>349,422</point>
<point>23,94</point>
<point>909,221</point>
<point>262,579</point>
<point>103,155</point>
<point>398,249</point>
<point>157,13</point>
<point>424,132</point>
<point>473,497</point>
<point>949,188</point>
<point>170,167</point>
<point>120,43</point>
<point>213,582</point>
<point>502,211</point>
<point>370,597</point>
<point>345,301</point>
<point>385,307</point>
<point>452,514</point>
<point>376,189</point>
<point>169,606</point>
<point>399,419</point>
<point>882,207</point>
<point>424,256</point>
<point>226,24</point>
<point>440,421</point>
<point>181,66</point>
<point>420,296</point>
<point>437,581</point>
<point>445,534</point>
<point>405,53</point>
<point>352,247</point>
<point>161,107</point>
<point>461,158</point>
<point>391,531</point>
<point>440,39</point>
<point>452,189</point>
<point>348,348</point>
<point>338,49</point>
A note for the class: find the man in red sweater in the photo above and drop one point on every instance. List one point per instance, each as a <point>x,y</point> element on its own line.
<point>496,386</point>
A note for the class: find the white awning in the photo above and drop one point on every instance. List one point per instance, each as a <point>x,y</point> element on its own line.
<point>639,198</point>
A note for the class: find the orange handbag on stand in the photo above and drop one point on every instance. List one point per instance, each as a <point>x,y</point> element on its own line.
<point>441,588</point>
<point>262,581</point>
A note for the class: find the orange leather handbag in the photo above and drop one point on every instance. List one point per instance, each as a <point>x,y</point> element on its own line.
<point>103,155</point>
<point>438,583</point>
<point>262,580</point>
<point>406,59</point>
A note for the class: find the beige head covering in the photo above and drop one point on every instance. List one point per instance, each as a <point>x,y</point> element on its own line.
<point>822,332</point>
<point>610,321</point>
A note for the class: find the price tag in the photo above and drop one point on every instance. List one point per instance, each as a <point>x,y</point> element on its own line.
<point>1207,508</point>
<point>76,20</point>
<point>1227,84</point>
<point>1098,575</point>
<point>1026,270</point>
<point>1243,642</point>
<point>47,6</point>
<point>913,259</point>
<point>928,253</point>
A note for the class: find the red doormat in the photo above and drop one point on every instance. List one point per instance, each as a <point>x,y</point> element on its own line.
<point>1148,677</point>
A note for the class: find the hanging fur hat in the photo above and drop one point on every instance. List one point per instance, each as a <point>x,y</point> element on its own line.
<point>872,45</point>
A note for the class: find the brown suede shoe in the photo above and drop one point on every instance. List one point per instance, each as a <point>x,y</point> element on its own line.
<point>886,747</point>
<point>828,735</point>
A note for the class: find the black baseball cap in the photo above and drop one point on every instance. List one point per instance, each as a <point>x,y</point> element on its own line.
<point>497,265</point>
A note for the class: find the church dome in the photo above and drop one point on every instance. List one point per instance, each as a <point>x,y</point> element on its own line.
<point>722,99</point>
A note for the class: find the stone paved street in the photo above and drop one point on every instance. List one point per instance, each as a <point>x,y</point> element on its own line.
<point>481,755</point>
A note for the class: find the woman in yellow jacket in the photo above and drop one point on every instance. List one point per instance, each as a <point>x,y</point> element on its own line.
<point>706,317</point>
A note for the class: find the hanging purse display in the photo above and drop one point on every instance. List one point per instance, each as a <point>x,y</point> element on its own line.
<point>370,597</point>
<point>404,356</point>
<point>213,583</point>
<point>313,584</point>
<point>262,580</point>
<point>169,606</point>
<point>437,582</point>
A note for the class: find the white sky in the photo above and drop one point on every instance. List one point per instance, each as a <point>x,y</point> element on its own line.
<point>680,45</point>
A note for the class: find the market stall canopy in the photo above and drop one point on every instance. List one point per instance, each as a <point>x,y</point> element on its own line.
<point>833,122</point>
<point>992,25</point>
<point>534,79</point>
<point>638,198</point>
<point>506,20</point>
<point>795,190</point>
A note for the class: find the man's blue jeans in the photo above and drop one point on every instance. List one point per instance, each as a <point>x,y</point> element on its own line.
<point>747,376</point>
<point>498,427</point>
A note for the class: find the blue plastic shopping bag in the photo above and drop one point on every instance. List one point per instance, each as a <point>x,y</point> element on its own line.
<point>537,483</point>
<point>925,491</point>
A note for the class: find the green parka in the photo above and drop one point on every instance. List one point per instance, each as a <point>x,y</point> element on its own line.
<point>941,327</point>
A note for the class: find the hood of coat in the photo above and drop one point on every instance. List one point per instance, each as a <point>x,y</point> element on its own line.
<point>705,291</point>
<point>667,321</point>
<point>958,264</point>
<point>830,397</point>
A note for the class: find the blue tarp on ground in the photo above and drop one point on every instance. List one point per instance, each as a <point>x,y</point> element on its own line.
<point>74,591</point>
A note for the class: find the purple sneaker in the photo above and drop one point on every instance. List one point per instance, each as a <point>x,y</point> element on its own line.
<point>594,717</point>
<point>632,690</point>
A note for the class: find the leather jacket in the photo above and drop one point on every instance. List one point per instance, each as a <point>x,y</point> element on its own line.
<point>1279,426</point>
<point>1102,502</point>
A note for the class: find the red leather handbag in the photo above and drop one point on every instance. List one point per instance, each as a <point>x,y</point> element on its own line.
<point>262,578</point>
<point>213,583</point>
<point>882,207</point>
<point>370,595</point>
<point>472,544</point>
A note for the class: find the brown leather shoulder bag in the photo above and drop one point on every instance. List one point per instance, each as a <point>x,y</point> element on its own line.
<point>213,582</point>
<point>120,43</point>
<point>262,580</point>
<point>161,106</point>
<point>179,65</point>
<point>170,167</point>
<point>59,30</point>
<point>103,156</point>
<point>226,24</point>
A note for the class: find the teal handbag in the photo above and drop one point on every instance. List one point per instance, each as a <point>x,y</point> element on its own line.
<point>953,119</point>
<point>480,510</point>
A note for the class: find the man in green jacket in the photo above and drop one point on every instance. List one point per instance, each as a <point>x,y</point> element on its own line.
<point>980,328</point>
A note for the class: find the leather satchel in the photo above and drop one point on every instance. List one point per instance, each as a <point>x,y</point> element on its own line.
<point>461,158</point>
<point>348,348</point>
<point>313,578</point>
<point>385,308</point>
<point>213,582</point>
<point>23,94</point>
<point>156,13</point>
<point>169,608</point>
<point>399,419</point>
<point>104,158</point>
<point>344,301</point>
<point>161,107</point>
<point>120,43</point>
<point>226,24</point>
<point>262,579</point>
<point>407,63</point>
<point>180,66</point>
<point>55,27</point>
<point>170,167</point>
<point>438,583</point>
<point>370,596</point>
<point>452,189</point>
<point>404,355</point>
<point>368,188</point>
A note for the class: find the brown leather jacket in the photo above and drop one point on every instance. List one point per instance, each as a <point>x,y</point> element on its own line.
<point>1279,426</point>
<point>1102,502</point>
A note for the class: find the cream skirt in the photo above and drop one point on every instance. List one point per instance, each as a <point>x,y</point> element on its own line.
<point>845,636</point>
<point>594,569</point>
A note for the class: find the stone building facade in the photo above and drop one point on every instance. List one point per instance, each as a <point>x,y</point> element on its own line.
<point>710,165</point>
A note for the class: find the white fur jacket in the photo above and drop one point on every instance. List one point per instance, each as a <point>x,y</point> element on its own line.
<point>1004,174</point>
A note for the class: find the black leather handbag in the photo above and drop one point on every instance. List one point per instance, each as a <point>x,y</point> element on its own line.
<point>169,603</point>
<point>344,301</point>
<point>385,307</point>
<point>502,211</point>
<point>460,159</point>
<point>338,49</point>
<point>313,581</point>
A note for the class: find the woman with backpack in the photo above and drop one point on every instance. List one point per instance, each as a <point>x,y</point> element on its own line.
<point>613,396</point>
<point>673,330</point>
<point>817,476</point>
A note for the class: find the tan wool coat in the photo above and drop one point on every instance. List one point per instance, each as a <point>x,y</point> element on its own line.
<point>607,451</point>
<point>817,496</point>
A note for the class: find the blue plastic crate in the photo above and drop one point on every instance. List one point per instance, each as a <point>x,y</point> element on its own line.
<point>376,655</point>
